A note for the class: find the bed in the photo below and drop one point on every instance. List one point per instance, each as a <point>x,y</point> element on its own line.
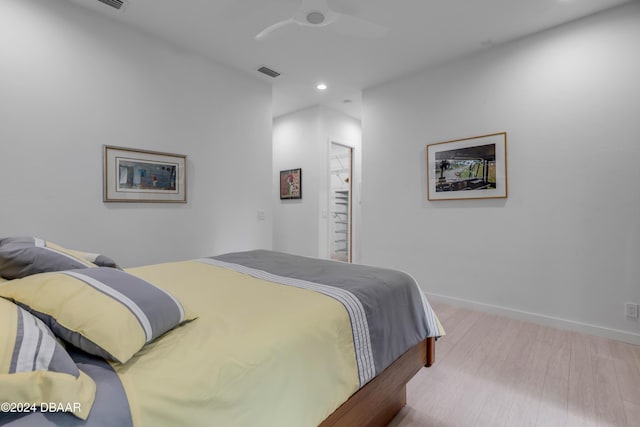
<point>261,338</point>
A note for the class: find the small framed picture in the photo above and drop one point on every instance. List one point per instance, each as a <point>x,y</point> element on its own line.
<point>132,175</point>
<point>469,168</point>
<point>291,184</point>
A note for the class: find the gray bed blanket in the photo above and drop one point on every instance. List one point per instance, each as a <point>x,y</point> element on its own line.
<point>388,311</point>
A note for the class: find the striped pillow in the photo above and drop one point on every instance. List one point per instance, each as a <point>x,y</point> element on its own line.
<point>35,369</point>
<point>104,311</point>
<point>97,259</point>
<point>24,256</point>
<point>100,260</point>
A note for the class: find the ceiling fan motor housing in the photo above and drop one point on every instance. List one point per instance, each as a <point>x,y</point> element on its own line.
<point>315,18</point>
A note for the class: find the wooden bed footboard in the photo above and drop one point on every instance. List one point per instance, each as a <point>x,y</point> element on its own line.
<point>375,404</point>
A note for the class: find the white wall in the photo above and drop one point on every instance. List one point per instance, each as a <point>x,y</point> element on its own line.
<point>564,247</point>
<point>301,140</point>
<point>71,81</point>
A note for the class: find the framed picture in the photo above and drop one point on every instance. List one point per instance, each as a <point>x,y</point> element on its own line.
<point>132,175</point>
<point>469,168</point>
<point>291,184</point>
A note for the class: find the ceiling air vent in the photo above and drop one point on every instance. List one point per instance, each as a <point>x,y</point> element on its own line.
<point>269,72</point>
<point>116,4</point>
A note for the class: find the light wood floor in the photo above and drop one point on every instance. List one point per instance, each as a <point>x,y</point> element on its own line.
<point>494,371</point>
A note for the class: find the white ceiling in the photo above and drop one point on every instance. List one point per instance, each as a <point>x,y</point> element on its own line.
<point>422,33</point>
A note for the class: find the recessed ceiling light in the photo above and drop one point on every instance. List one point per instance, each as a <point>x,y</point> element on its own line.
<point>321,86</point>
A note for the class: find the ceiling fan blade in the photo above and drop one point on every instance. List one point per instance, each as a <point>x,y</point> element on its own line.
<point>314,5</point>
<point>316,13</point>
<point>264,33</point>
<point>350,25</point>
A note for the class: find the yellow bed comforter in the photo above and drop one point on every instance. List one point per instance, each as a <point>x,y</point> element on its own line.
<point>257,348</point>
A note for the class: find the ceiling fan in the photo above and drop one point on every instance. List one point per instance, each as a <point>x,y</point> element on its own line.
<point>316,13</point>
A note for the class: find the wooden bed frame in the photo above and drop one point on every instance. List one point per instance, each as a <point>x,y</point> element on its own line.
<point>375,404</point>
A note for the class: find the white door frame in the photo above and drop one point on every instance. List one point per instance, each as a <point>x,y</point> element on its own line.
<point>353,206</point>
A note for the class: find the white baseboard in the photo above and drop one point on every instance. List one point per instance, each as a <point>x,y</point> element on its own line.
<point>615,334</point>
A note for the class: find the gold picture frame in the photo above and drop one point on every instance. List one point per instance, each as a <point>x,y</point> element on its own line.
<point>143,176</point>
<point>468,168</point>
